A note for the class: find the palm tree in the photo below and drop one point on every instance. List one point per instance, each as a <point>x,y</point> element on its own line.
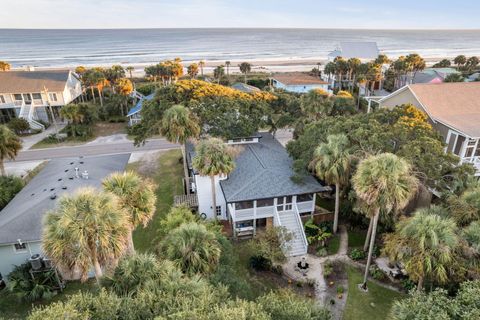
<point>193,248</point>
<point>227,64</point>
<point>332,164</point>
<point>213,158</point>
<point>426,243</point>
<point>10,145</point>
<point>178,126</point>
<point>383,183</point>
<point>88,229</point>
<point>192,70</point>
<point>201,64</point>
<point>130,69</point>
<point>330,70</point>
<point>137,197</point>
<point>316,104</point>
<point>460,61</point>
<point>4,66</point>
<point>245,68</point>
<point>218,73</point>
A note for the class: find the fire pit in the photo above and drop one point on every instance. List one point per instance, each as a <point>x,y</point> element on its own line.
<point>303,266</point>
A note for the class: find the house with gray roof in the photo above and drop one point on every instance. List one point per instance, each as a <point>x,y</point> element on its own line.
<point>261,191</point>
<point>21,221</point>
<point>29,94</point>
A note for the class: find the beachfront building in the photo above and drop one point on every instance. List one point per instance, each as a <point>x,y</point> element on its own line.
<point>28,94</point>
<point>260,192</point>
<point>134,115</point>
<point>365,51</point>
<point>21,220</point>
<point>453,109</point>
<point>298,82</point>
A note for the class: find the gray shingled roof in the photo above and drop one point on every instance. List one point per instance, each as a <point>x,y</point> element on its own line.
<point>33,81</point>
<point>245,87</point>
<point>22,217</point>
<point>264,170</point>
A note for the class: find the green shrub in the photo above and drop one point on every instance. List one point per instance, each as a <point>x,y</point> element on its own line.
<point>30,289</point>
<point>260,263</point>
<point>9,187</point>
<point>327,268</point>
<point>19,126</point>
<point>322,252</point>
<point>408,284</point>
<point>376,273</point>
<point>357,254</point>
<point>146,88</point>
<point>340,290</point>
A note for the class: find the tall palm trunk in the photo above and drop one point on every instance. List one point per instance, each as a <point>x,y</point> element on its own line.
<point>130,247</point>
<point>245,77</point>
<point>100,96</point>
<point>2,168</point>
<point>337,207</point>
<point>420,284</point>
<point>97,267</point>
<point>93,94</point>
<point>185,169</point>
<point>214,197</point>
<point>367,238</point>
<point>370,250</point>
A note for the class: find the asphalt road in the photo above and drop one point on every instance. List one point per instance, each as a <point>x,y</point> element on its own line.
<point>93,150</point>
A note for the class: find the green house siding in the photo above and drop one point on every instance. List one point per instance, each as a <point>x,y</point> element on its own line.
<point>9,258</point>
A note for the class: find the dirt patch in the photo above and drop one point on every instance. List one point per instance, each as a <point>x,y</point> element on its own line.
<point>281,281</point>
<point>101,129</point>
<point>146,163</point>
<point>337,287</point>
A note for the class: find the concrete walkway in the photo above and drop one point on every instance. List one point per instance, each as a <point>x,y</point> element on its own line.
<point>29,141</point>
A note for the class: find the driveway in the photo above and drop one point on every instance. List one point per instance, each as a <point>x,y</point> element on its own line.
<point>94,149</point>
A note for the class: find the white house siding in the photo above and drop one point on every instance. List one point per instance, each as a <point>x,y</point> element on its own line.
<point>204,194</point>
<point>10,258</point>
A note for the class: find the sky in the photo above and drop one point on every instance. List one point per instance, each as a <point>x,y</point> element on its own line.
<point>367,14</point>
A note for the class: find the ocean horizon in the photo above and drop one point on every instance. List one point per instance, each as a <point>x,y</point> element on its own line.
<point>56,48</point>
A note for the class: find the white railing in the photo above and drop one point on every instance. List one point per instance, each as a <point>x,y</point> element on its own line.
<point>300,224</point>
<point>306,206</point>
<point>276,217</point>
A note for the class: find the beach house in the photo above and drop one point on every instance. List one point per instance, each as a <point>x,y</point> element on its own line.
<point>452,108</point>
<point>260,192</point>
<point>298,82</point>
<point>365,51</point>
<point>29,94</point>
<point>21,220</point>
<point>431,75</point>
<point>134,115</point>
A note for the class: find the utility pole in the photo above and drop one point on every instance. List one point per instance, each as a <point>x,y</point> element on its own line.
<point>49,106</point>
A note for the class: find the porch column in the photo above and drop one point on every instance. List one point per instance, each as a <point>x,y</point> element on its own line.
<point>313,205</point>
<point>463,149</point>
<point>254,217</point>
<point>369,105</point>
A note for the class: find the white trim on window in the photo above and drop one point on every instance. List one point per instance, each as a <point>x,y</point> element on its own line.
<point>19,248</point>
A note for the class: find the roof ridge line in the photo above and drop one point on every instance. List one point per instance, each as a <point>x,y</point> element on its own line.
<point>257,157</point>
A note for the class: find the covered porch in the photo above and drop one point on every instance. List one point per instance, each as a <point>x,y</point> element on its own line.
<point>467,148</point>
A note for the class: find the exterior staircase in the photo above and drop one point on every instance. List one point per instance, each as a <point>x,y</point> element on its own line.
<point>291,221</point>
<point>26,112</point>
<point>137,95</point>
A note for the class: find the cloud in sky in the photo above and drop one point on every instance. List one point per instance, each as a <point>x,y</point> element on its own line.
<point>246,13</point>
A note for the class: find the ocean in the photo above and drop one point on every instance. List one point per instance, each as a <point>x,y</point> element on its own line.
<point>70,48</point>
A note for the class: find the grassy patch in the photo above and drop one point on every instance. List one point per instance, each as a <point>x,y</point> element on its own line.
<point>356,238</point>
<point>12,308</point>
<point>333,244</point>
<point>375,304</point>
<point>167,175</point>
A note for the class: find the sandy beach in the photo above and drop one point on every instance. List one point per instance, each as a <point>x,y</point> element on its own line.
<point>265,66</point>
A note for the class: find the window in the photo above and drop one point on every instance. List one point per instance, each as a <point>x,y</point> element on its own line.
<point>53,96</point>
<point>2,99</point>
<point>264,203</point>
<point>20,247</point>
<point>218,210</point>
<point>18,97</point>
<point>305,197</point>
<point>36,96</point>
<point>243,205</point>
